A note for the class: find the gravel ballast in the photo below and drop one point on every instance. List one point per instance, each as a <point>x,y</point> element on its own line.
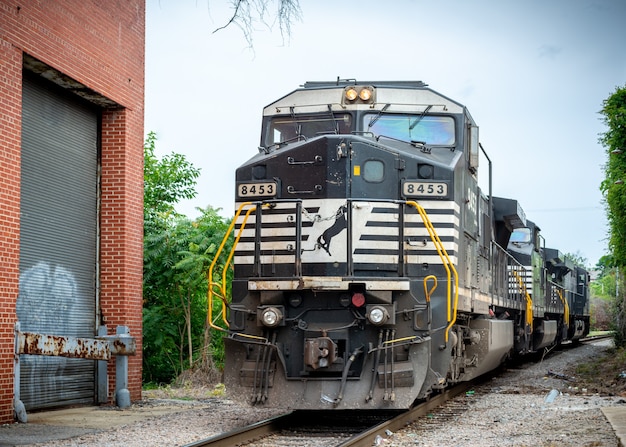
<point>517,408</point>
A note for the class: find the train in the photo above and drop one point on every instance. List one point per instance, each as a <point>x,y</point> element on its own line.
<point>370,270</point>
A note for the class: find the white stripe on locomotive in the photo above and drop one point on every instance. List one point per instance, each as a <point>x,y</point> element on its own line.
<point>373,223</point>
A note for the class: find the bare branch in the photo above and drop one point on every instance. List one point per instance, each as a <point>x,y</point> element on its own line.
<point>233,19</point>
<point>246,13</point>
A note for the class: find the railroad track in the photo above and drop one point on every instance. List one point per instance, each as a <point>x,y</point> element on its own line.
<point>327,428</point>
<point>368,437</point>
<point>247,434</point>
<point>348,429</point>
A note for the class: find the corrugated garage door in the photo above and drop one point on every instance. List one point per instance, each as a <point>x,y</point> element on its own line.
<point>58,239</point>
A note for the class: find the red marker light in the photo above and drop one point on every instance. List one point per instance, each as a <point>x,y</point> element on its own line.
<point>358,300</point>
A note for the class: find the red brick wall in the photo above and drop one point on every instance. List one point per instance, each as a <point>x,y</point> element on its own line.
<point>121,236</point>
<point>10,131</point>
<point>101,45</point>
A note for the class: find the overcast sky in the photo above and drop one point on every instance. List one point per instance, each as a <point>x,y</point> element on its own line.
<point>533,74</point>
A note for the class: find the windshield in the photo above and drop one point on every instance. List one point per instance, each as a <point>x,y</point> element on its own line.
<point>520,235</point>
<point>431,130</point>
<point>290,128</point>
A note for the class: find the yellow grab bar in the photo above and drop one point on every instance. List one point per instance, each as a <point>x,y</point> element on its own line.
<point>566,307</point>
<point>222,287</point>
<point>447,263</point>
<point>529,300</point>
<point>429,292</point>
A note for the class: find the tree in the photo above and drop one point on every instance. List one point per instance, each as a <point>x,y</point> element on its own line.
<point>177,254</point>
<point>203,242</point>
<point>166,181</point>
<point>176,260</point>
<point>614,185</point>
<point>603,299</point>
<point>604,264</point>
<point>246,13</point>
<point>605,284</point>
<point>613,189</point>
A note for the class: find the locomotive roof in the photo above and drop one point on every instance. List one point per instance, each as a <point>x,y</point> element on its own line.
<point>403,96</point>
<point>346,82</point>
<point>510,212</point>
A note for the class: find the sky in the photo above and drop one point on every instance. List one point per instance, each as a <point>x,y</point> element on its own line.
<point>532,73</point>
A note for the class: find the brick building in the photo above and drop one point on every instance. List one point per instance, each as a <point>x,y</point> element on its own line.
<point>71,189</point>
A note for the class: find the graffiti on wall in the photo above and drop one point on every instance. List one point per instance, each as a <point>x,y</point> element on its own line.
<point>46,297</point>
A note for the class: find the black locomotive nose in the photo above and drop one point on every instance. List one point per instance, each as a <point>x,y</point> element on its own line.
<point>308,170</point>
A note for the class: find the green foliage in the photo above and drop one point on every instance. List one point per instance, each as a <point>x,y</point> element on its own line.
<point>176,260</point>
<point>177,255</point>
<point>167,299</point>
<point>160,358</point>
<point>605,286</point>
<point>614,185</point>
<point>604,264</point>
<point>166,181</point>
<point>613,189</point>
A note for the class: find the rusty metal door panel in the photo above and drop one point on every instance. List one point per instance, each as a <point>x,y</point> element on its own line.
<point>58,240</point>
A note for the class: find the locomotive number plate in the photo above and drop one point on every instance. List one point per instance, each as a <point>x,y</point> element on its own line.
<point>260,189</point>
<point>427,189</point>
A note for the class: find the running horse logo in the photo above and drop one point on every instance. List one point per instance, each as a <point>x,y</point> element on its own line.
<point>340,223</point>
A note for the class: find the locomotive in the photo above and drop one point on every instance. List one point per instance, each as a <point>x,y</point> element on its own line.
<point>370,269</point>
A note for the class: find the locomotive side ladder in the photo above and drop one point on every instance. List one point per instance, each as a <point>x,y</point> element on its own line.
<point>529,301</point>
<point>448,265</point>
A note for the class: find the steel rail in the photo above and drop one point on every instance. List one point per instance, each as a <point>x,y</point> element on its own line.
<point>246,434</point>
<point>368,437</point>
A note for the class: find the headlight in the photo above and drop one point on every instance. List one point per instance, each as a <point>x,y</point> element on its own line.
<point>271,316</point>
<point>351,94</point>
<point>378,315</point>
<point>358,95</point>
<point>365,94</point>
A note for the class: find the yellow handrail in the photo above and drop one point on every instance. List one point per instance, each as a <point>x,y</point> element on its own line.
<point>566,307</point>
<point>529,300</point>
<point>222,287</point>
<point>429,292</point>
<point>447,263</point>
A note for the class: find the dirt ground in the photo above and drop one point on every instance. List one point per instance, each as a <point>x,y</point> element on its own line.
<point>605,375</point>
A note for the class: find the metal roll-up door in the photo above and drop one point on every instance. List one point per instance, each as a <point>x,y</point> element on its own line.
<point>58,240</point>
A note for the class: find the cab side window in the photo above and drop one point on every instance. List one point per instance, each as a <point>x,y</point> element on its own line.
<point>374,171</point>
